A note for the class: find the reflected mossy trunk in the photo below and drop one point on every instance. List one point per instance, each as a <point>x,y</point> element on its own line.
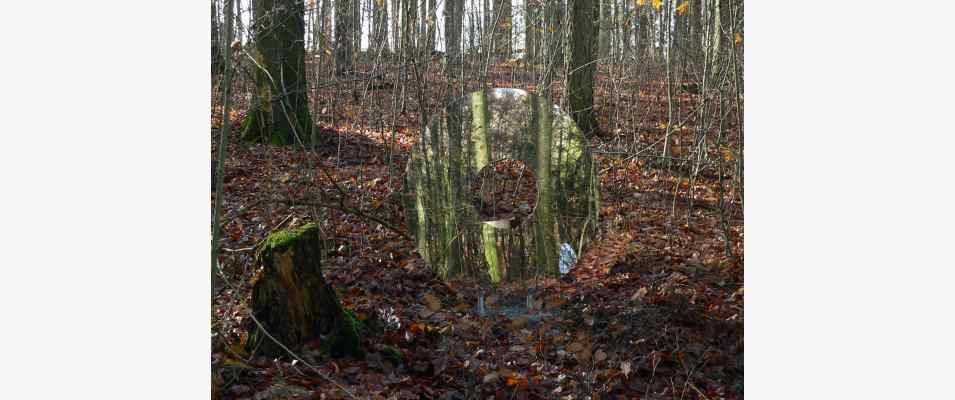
<point>546,239</point>
<point>454,197</point>
<point>482,158</point>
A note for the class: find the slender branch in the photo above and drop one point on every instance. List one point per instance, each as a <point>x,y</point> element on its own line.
<point>358,213</point>
<point>223,140</point>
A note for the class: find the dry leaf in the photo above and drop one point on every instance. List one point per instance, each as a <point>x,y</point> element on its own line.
<point>583,356</point>
<point>575,347</point>
<point>600,356</point>
<point>519,322</point>
<point>492,377</point>
<point>680,9</point>
<point>431,301</point>
<point>554,302</point>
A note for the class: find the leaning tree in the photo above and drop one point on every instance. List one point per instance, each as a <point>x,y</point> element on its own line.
<point>279,114</point>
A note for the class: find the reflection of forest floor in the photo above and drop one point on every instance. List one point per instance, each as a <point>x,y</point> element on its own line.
<point>653,307</point>
<point>506,190</point>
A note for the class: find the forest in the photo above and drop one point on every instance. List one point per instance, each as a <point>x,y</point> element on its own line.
<point>460,199</point>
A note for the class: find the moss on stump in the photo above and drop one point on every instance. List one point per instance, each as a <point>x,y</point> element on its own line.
<point>292,300</point>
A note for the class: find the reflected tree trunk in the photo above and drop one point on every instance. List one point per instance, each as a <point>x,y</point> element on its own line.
<point>546,237</point>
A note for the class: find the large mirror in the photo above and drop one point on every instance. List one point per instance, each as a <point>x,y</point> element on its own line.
<point>501,188</point>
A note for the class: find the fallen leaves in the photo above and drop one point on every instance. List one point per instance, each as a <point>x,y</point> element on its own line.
<point>431,302</point>
<point>629,294</point>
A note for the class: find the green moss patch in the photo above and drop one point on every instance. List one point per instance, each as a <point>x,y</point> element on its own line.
<point>283,239</point>
<point>345,339</point>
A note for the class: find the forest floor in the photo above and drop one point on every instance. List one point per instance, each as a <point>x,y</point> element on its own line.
<point>653,308</point>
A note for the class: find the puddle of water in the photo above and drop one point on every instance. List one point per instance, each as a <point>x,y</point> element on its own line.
<point>512,311</point>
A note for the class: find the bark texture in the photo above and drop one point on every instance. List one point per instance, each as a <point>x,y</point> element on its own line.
<point>279,114</point>
<point>581,62</point>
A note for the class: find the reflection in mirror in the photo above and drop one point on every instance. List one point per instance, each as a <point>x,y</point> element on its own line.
<point>501,188</point>
<point>506,190</point>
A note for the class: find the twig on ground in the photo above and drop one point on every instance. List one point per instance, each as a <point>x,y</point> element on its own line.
<point>342,207</point>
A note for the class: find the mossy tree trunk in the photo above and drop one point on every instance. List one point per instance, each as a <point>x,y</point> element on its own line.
<point>280,111</point>
<point>482,158</point>
<point>546,225</point>
<point>292,300</point>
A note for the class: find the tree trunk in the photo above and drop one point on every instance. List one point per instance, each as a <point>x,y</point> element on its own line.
<point>453,17</point>
<point>546,226</point>
<point>504,29</point>
<point>605,33</point>
<point>644,37</point>
<point>239,28</point>
<point>356,30</point>
<point>395,26</point>
<point>717,32</point>
<point>627,34</point>
<point>530,31</point>
<point>316,26</point>
<point>280,113</point>
<point>379,35</point>
<point>344,42</point>
<point>292,301</point>
<point>553,44</point>
<point>409,27</point>
<point>431,23</point>
<point>216,44</point>
<point>579,90</point>
<point>695,17</point>
<point>326,31</point>
<point>217,174</point>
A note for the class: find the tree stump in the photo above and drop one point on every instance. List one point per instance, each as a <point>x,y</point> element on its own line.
<point>292,300</point>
